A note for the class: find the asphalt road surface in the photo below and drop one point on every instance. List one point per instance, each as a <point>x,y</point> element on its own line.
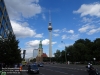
<point>60,69</point>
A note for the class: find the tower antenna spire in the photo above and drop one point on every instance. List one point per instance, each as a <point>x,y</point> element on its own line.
<point>49,16</point>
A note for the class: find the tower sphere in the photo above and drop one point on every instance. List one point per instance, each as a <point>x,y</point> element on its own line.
<point>49,27</point>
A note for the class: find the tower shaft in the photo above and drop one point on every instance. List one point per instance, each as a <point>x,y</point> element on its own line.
<point>50,43</point>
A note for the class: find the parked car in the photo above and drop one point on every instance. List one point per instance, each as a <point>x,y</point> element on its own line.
<point>33,68</point>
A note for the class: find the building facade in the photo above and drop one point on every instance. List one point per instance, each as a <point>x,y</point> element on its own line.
<point>39,57</point>
<point>35,53</point>
<point>5,25</point>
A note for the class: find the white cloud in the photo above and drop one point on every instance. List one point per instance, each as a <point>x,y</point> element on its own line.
<point>93,31</point>
<point>39,35</point>
<point>22,8</point>
<point>54,42</point>
<point>64,36</point>
<point>89,29</point>
<point>43,16</point>
<point>21,30</point>
<point>29,52</point>
<point>71,31</point>
<point>45,42</point>
<point>86,19</point>
<point>64,30</point>
<point>85,28</point>
<point>56,34</point>
<point>68,31</point>
<point>72,37</point>
<point>89,9</point>
<point>35,43</point>
<point>57,30</point>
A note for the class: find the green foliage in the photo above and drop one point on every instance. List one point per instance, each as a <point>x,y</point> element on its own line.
<point>82,50</point>
<point>33,60</point>
<point>57,56</point>
<point>9,50</point>
<point>46,59</point>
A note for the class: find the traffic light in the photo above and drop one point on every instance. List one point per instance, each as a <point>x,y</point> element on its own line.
<point>24,51</point>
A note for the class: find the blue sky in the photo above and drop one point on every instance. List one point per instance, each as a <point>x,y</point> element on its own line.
<point>71,20</point>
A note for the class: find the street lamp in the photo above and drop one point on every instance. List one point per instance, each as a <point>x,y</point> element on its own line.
<point>65,51</point>
<point>94,60</point>
<point>67,57</point>
<point>0,37</point>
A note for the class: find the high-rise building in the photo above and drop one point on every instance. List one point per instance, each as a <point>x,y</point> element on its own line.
<point>5,25</point>
<point>35,53</point>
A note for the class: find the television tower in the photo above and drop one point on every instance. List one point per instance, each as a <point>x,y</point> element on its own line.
<point>50,36</point>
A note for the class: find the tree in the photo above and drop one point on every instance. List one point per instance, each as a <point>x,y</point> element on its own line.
<point>57,55</point>
<point>71,53</point>
<point>62,57</point>
<point>96,49</point>
<point>33,60</point>
<point>9,50</point>
<point>46,59</point>
<point>82,50</point>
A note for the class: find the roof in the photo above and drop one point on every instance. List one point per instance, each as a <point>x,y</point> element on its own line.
<point>44,55</point>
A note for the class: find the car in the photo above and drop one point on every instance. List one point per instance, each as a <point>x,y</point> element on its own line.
<point>33,68</point>
<point>40,65</point>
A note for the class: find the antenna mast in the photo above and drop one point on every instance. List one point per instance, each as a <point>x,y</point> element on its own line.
<point>49,16</point>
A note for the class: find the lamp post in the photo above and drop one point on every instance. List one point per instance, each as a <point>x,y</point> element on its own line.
<point>65,51</point>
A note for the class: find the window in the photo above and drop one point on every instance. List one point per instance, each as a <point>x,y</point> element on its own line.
<point>2,4</point>
<point>10,27</point>
<point>5,13</point>
<point>0,13</point>
<point>6,27</point>
<point>1,30</point>
<point>3,22</point>
<point>5,35</point>
<point>7,30</point>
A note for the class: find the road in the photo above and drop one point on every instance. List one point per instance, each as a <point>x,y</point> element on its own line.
<point>56,70</point>
<point>61,69</point>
